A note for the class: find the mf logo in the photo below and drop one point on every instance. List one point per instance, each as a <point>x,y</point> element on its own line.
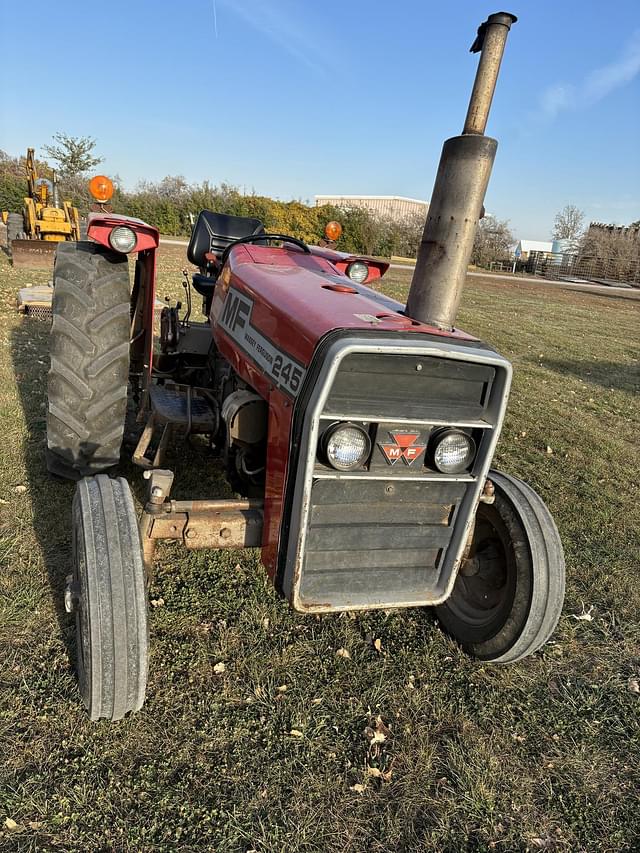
<point>404,447</point>
<point>236,311</point>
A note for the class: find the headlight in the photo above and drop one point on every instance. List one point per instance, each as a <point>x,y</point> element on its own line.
<point>358,271</point>
<point>346,446</point>
<point>453,451</point>
<point>123,239</point>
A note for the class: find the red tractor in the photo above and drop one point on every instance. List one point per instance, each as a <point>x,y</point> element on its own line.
<point>358,431</point>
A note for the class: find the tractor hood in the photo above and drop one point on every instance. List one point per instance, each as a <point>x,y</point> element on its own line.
<point>322,259</point>
<point>302,297</point>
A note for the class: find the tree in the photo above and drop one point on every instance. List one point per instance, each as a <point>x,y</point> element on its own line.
<point>73,154</point>
<point>493,241</point>
<point>569,225</point>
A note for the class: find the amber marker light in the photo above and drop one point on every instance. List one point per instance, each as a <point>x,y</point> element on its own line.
<point>101,188</point>
<point>333,230</point>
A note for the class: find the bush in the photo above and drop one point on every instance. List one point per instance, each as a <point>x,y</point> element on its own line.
<point>170,203</point>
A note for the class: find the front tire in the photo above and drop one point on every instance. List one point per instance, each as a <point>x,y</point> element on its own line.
<point>107,592</point>
<point>88,377</point>
<point>508,603</point>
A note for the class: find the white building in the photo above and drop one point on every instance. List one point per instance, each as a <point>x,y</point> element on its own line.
<point>386,206</point>
<point>525,248</point>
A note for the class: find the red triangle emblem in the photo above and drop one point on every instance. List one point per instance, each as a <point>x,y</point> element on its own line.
<point>404,447</point>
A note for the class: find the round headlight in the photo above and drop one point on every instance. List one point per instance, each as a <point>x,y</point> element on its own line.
<point>358,271</point>
<point>453,452</point>
<point>346,446</point>
<point>123,239</point>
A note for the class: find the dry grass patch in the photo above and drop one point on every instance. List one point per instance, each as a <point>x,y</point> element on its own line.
<point>273,752</point>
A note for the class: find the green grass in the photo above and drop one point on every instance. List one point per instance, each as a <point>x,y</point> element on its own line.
<point>544,754</point>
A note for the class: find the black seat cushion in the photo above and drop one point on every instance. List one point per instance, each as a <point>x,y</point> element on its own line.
<point>214,231</point>
<point>204,284</point>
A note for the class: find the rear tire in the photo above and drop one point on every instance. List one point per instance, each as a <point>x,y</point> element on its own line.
<point>510,604</point>
<point>107,592</point>
<point>15,227</point>
<point>88,377</point>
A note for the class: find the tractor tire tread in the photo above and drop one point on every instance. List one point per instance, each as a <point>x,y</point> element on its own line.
<point>113,598</point>
<point>15,227</point>
<point>550,554</point>
<point>89,368</point>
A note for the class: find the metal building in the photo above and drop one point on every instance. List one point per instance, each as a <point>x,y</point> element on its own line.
<point>385,206</point>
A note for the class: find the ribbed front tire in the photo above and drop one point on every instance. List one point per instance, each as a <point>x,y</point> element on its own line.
<point>508,603</point>
<point>89,348</point>
<point>107,591</point>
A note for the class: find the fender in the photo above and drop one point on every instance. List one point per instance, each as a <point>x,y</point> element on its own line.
<point>101,225</point>
<point>341,260</point>
<point>144,285</point>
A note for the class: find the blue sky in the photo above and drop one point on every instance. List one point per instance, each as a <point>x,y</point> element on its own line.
<point>292,98</point>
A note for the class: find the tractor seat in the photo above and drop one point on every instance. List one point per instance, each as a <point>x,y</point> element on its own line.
<point>204,284</point>
<point>213,232</point>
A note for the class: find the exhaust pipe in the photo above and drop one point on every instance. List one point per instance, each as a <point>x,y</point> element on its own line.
<point>56,194</point>
<point>458,192</point>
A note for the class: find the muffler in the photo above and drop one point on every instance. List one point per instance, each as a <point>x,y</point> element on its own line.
<point>458,193</point>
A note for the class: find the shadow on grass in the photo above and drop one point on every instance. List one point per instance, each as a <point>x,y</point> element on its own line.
<point>51,499</point>
<point>607,374</point>
<point>631,295</point>
<point>198,473</point>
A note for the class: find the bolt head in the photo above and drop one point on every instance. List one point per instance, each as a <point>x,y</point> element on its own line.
<point>70,595</point>
<point>156,492</point>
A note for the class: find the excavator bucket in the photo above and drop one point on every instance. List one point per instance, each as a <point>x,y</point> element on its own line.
<point>33,253</point>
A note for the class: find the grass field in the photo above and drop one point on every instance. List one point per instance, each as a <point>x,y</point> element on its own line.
<point>272,754</point>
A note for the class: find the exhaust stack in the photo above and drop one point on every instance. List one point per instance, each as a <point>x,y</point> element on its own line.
<point>56,194</point>
<point>458,192</point>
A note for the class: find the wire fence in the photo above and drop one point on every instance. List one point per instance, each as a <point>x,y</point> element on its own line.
<point>624,270</point>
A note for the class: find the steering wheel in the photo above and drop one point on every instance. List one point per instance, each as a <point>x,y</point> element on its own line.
<point>257,238</point>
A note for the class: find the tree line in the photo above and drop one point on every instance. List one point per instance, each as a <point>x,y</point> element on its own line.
<point>172,203</point>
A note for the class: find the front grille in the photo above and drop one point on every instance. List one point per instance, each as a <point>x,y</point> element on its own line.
<point>377,539</point>
<point>390,535</point>
<point>381,386</point>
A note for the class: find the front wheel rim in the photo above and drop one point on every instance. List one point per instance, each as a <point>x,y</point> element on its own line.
<point>484,599</point>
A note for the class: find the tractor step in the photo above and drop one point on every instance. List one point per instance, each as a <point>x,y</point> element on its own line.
<point>173,406</point>
<point>182,405</point>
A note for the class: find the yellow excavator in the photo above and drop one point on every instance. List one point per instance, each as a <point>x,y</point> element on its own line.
<point>32,236</point>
